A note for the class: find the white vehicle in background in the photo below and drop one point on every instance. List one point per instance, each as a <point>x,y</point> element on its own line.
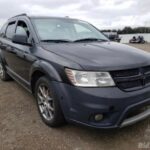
<point>113,36</point>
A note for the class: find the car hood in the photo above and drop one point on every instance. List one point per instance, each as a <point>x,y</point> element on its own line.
<point>101,55</point>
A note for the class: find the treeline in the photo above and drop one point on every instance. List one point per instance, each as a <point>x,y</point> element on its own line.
<point>129,30</point>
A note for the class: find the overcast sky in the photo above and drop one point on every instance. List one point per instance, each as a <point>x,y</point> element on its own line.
<point>104,14</point>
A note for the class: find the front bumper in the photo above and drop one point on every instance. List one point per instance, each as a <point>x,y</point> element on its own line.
<point>82,104</point>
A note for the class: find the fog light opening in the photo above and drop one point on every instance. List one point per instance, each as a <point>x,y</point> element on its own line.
<point>98,117</point>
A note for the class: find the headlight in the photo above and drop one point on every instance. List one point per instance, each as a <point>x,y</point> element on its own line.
<point>89,79</point>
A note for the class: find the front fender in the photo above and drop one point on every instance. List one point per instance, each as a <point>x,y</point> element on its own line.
<point>46,68</point>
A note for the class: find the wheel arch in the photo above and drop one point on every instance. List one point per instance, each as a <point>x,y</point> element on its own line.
<point>42,68</point>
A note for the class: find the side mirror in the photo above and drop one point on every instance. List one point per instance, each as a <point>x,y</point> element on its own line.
<point>20,39</point>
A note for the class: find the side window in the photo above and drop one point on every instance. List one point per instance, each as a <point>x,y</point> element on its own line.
<point>10,30</point>
<point>22,29</point>
<point>2,31</point>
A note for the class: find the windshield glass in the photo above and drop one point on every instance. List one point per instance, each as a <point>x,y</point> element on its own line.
<point>65,29</point>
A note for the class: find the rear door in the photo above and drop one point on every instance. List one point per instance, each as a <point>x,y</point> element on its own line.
<point>6,44</point>
<point>2,35</point>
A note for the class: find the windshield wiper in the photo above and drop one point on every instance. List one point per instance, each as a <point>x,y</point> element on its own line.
<point>68,41</point>
<point>90,39</point>
<point>56,40</point>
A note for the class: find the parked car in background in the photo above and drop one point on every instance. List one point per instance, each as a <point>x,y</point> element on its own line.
<point>138,40</point>
<point>75,73</point>
<point>113,36</point>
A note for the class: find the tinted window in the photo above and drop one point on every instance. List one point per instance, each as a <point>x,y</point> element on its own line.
<point>10,30</point>
<point>22,29</point>
<point>3,29</point>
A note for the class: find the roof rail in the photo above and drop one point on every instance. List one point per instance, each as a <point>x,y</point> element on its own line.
<point>23,14</point>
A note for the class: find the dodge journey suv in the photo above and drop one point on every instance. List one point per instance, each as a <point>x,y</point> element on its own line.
<point>75,73</point>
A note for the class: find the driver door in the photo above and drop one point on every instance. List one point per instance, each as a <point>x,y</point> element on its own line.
<point>23,57</point>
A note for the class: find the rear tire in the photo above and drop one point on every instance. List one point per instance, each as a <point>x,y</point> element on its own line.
<point>48,104</point>
<point>3,74</point>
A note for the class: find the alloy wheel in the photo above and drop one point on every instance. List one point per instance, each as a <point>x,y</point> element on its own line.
<point>45,102</point>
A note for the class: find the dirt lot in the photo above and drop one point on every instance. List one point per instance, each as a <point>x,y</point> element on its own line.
<point>22,129</point>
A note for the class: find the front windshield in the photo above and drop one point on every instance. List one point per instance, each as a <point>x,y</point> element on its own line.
<point>65,29</point>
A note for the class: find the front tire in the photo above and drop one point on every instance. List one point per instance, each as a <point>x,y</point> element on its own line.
<point>48,104</point>
<point>3,74</point>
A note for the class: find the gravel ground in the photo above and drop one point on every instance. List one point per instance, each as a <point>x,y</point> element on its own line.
<point>22,129</point>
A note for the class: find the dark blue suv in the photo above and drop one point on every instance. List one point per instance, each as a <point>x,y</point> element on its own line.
<point>75,73</point>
